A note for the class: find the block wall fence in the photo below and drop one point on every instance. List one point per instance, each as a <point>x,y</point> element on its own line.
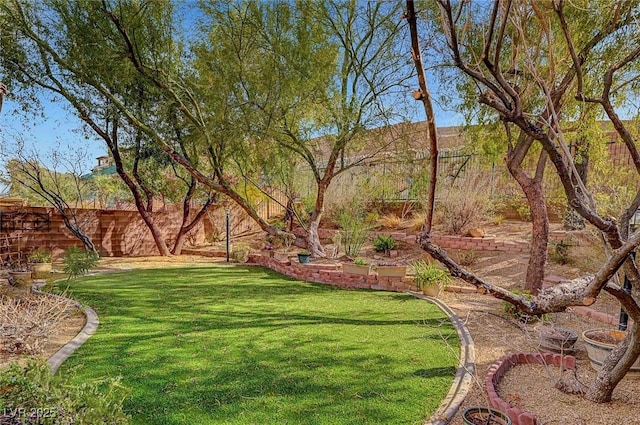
<point>115,233</point>
<point>118,233</point>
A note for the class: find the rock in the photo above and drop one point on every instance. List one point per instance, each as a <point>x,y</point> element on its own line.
<point>476,232</point>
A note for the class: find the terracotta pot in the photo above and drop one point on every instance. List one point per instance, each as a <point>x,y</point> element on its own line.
<point>484,416</point>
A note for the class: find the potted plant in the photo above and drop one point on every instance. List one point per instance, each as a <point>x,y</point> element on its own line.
<point>429,278</point>
<point>359,266</point>
<point>484,416</point>
<point>40,261</point>
<point>600,342</point>
<point>20,273</point>
<point>304,256</point>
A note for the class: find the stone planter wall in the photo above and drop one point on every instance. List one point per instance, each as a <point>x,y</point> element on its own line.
<point>331,274</point>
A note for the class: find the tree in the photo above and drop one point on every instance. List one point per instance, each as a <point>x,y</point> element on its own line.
<point>64,191</point>
<point>318,68</point>
<point>54,47</point>
<point>537,66</point>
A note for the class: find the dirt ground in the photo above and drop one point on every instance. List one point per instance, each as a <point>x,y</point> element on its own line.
<point>528,387</point>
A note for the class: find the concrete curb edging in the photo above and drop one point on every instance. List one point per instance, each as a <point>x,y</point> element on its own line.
<point>466,367</point>
<point>90,327</point>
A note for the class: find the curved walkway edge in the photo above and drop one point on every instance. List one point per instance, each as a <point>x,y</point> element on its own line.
<point>466,367</point>
<point>90,327</point>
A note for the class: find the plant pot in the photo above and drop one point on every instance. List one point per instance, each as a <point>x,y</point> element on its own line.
<point>40,270</point>
<point>281,257</point>
<point>484,416</point>
<point>600,342</point>
<point>392,271</point>
<point>557,339</point>
<point>21,278</point>
<point>304,258</point>
<point>431,290</point>
<point>356,269</point>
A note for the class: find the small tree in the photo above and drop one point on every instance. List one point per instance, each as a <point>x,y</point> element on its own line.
<point>535,66</point>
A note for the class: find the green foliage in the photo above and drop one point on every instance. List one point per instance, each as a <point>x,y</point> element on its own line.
<point>560,252</point>
<point>429,274</point>
<point>78,262</point>
<point>355,231</point>
<point>33,395</point>
<point>384,243</point>
<point>360,262</point>
<point>41,255</point>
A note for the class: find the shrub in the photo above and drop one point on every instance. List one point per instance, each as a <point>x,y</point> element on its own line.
<point>26,323</point>
<point>390,221</point>
<point>467,257</point>
<point>33,395</point>
<point>428,274</point>
<point>464,206</point>
<point>78,262</point>
<point>355,232</point>
<point>560,253</point>
<point>513,312</point>
<point>384,243</point>
<point>41,255</point>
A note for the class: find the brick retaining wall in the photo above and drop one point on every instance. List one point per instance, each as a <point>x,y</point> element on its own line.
<point>331,274</point>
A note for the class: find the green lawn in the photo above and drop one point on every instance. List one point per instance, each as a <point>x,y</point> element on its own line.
<point>245,345</point>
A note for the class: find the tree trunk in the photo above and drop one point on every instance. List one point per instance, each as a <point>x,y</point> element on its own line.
<point>313,238</point>
<point>615,367</point>
<point>77,232</point>
<point>532,189</point>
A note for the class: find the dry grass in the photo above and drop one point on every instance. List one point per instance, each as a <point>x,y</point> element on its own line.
<point>27,323</point>
<point>390,221</point>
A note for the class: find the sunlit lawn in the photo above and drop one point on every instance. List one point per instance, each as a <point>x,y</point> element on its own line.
<point>244,345</point>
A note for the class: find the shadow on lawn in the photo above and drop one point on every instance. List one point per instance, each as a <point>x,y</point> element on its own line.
<point>220,344</point>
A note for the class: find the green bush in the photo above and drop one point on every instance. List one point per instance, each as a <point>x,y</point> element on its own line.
<point>428,274</point>
<point>33,395</point>
<point>384,243</point>
<point>78,262</point>
<point>355,231</point>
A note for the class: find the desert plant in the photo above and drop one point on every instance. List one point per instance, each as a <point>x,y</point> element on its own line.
<point>429,274</point>
<point>384,243</point>
<point>360,262</point>
<point>240,252</point>
<point>78,262</point>
<point>41,255</point>
<point>560,252</point>
<point>467,257</point>
<point>33,395</point>
<point>26,323</point>
<point>390,221</point>
<point>465,205</point>
<point>355,231</point>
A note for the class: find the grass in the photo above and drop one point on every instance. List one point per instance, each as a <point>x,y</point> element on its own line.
<point>245,345</point>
